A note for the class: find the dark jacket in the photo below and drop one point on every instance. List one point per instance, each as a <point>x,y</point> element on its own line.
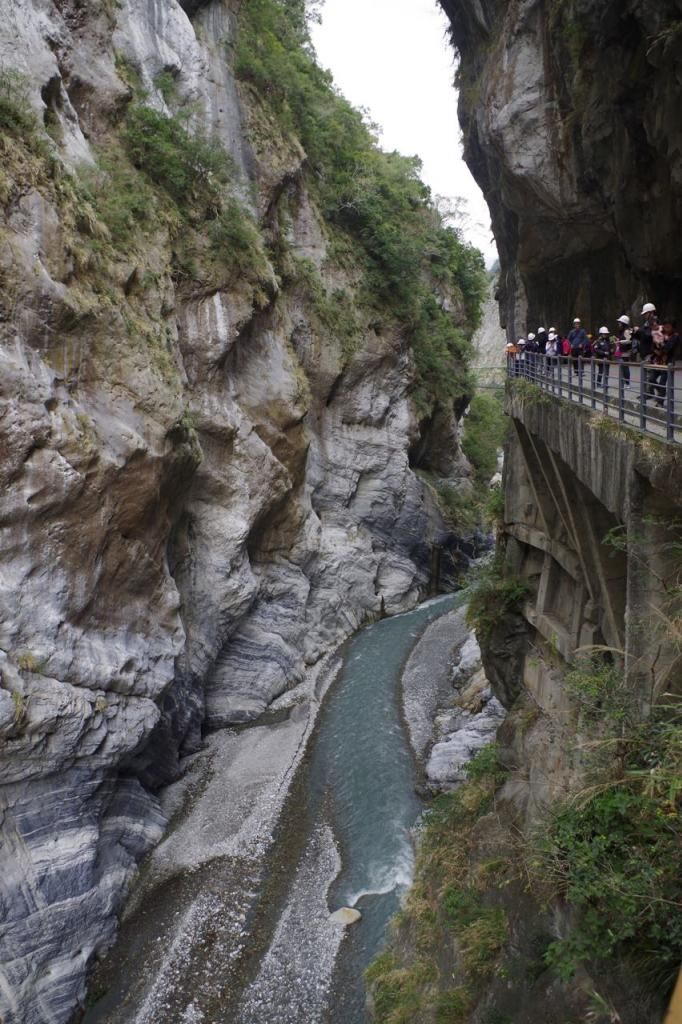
<point>676,348</point>
<point>577,339</point>
<point>644,337</point>
<point>666,351</point>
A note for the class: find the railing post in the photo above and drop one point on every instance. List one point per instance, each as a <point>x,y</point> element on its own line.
<point>559,369</point>
<point>642,396</point>
<point>593,396</point>
<point>621,391</point>
<point>580,379</point>
<point>670,403</point>
<point>605,370</point>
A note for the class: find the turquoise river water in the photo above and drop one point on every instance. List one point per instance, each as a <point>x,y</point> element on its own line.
<point>362,778</point>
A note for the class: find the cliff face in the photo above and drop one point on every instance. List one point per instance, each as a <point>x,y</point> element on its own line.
<point>547,885</point>
<point>202,490</point>
<point>570,118</point>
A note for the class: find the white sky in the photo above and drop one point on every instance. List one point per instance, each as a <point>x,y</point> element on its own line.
<point>393,58</point>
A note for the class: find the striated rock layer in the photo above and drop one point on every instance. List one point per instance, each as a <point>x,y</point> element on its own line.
<point>570,117</point>
<point>201,494</point>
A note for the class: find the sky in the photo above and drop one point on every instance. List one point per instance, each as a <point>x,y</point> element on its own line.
<point>392,57</point>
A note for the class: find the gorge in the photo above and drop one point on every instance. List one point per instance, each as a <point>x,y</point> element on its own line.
<point>235,349</point>
<point>225,356</point>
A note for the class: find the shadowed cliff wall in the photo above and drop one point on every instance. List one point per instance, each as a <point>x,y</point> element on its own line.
<point>570,121</point>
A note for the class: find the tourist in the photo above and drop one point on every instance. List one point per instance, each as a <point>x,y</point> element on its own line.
<point>552,352</point>
<point>644,333</point>
<point>657,377</point>
<point>666,343</point>
<point>676,343</point>
<point>624,350</point>
<point>565,350</point>
<point>531,353</point>
<point>512,352</point>
<point>578,342</point>
<point>542,340</point>
<point>602,354</point>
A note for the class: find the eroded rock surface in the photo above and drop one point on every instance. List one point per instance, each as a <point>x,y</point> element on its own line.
<point>200,495</point>
<point>570,116</point>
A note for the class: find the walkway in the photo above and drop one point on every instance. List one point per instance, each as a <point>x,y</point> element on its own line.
<point>637,395</point>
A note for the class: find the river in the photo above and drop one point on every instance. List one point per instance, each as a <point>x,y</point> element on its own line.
<point>359,791</point>
<point>344,839</point>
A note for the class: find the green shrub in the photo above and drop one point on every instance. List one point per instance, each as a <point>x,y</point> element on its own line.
<point>480,942</point>
<point>16,113</point>
<point>444,901</point>
<point>189,166</point>
<point>484,429</point>
<point>335,312</point>
<point>494,507</point>
<point>410,258</point>
<point>124,200</point>
<point>395,990</point>
<point>597,687</point>
<point>453,1007</point>
<point>17,117</point>
<point>181,179</point>
<point>236,241</point>
<point>461,906</point>
<point>167,85</point>
<point>462,511</point>
<point>615,857</point>
<point>492,595</point>
<point>485,764</point>
<point>441,354</point>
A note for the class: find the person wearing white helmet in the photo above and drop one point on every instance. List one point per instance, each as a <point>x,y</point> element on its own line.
<point>542,340</point>
<point>531,355</point>
<point>644,333</point>
<point>512,351</point>
<point>552,352</point>
<point>625,346</point>
<point>602,353</point>
<point>580,346</point>
<point>648,336</point>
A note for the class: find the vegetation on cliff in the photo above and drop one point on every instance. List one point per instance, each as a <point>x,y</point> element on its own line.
<point>406,269</point>
<point>416,271</point>
<point>447,940</point>
<point>613,852</point>
<point>604,861</point>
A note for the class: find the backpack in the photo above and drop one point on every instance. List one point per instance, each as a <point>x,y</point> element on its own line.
<point>566,347</point>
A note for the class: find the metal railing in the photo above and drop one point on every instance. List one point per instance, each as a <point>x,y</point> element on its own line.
<point>644,396</point>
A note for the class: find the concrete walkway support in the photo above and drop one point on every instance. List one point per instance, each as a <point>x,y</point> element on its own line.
<point>593,521</point>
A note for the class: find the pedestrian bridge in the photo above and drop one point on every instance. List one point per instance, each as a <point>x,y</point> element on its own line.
<point>490,378</point>
<point>593,521</point>
<point>641,396</point>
